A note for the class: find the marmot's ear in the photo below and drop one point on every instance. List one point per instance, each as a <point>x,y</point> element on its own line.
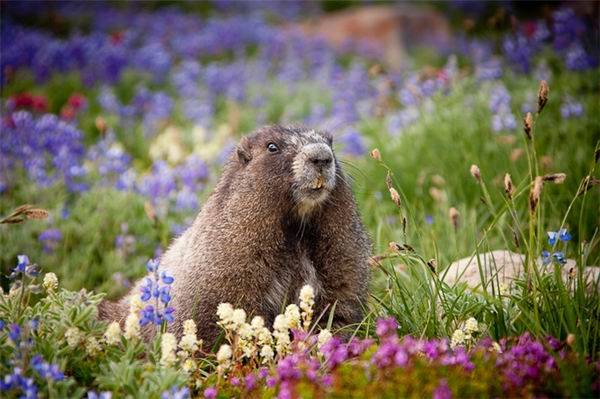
<point>243,151</point>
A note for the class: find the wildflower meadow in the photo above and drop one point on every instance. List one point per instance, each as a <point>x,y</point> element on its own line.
<point>482,144</point>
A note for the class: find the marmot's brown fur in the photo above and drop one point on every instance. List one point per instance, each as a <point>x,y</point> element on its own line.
<point>281,216</point>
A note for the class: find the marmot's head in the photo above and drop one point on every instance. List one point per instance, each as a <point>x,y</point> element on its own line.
<point>294,159</point>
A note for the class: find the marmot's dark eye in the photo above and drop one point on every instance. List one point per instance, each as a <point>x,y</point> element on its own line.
<point>272,147</point>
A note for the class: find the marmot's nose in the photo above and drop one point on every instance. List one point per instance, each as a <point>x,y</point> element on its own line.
<point>318,154</point>
<point>321,161</point>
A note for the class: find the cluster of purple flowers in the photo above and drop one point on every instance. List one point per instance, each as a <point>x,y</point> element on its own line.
<point>502,118</point>
<point>50,238</point>
<point>156,288</point>
<point>525,362</point>
<point>19,380</point>
<point>48,148</point>
<point>571,108</point>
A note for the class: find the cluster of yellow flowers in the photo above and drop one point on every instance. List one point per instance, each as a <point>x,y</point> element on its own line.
<point>464,336</point>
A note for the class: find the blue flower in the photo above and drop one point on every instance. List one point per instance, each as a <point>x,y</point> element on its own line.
<point>45,369</point>
<point>564,235</point>
<point>147,315</point>
<point>552,236</point>
<point>23,262</point>
<point>176,393</point>
<point>146,290</point>
<point>169,316</point>
<point>546,258</point>
<point>34,324</point>
<point>14,332</point>
<point>165,296</point>
<point>166,278</point>
<point>101,395</point>
<point>559,257</point>
<point>152,265</point>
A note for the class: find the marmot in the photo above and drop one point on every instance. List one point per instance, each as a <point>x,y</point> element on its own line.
<point>281,216</point>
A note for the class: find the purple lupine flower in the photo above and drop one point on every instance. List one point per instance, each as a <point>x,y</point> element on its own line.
<point>14,332</point>
<point>50,239</point>
<point>571,108</point>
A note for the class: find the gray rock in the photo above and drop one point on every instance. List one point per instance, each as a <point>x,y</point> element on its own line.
<point>506,266</point>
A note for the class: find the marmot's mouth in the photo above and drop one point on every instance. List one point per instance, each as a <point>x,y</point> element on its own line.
<point>318,183</point>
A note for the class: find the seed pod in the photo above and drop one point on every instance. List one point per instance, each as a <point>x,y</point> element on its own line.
<point>453,214</point>
<point>376,155</point>
<point>556,178</point>
<point>508,186</point>
<point>475,172</point>
<point>535,193</point>
<point>516,154</point>
<point>542,95</point>
<point>395,196</point>
<point>527,125</point>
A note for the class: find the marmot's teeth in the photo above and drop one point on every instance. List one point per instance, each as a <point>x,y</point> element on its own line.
<point>318,183</point>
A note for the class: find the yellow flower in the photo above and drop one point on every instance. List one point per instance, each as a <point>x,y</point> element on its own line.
<point>189,327</point>
<point>113,333</point>
<point>471,325</point>
<point>292,315</point>
<point>92,347</point>
<point>50,282</point>
<point>73,337</point>
<point>168,344</point>
<point>324,336</point>
<point>458,338</point>
<point>307,301</point>
<point>266,353</point>
<point>132,326</point>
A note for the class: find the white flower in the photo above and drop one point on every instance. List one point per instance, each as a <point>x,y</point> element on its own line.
<point>471,325</point>
<point>113,333</point>
<point>224,354</point>
<point>324,336</point>
<point>238,318</point>
<point>257,323</point>
<point>189,343</point>
<point>225,313</point>
<point>292,314</point>
<point>50,282</point>
<point>307,294</point>
<point>132,326</point>
<point>189,327</point>
<point>263,336</point>
<point>73,337</point>
<point>280,323</point>
<point>135,304</point>
<point>266,353</point>
<point>307,301</point>
<point>458,339</point>
<point>189,366</point>
<point>92,347</point>
<point>496,347</point>
<point>168,344</point>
